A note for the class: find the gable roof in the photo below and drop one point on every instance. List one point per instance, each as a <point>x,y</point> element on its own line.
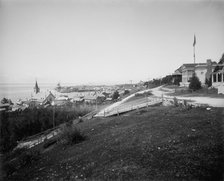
<point>220,65</point>
<point>191,66</point>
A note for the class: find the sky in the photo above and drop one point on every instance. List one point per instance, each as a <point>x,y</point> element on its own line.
<point>105,41</point>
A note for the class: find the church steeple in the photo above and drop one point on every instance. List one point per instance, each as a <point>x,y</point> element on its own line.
<point>36,88</point>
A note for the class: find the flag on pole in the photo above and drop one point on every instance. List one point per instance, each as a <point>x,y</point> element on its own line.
<point>194,41</point>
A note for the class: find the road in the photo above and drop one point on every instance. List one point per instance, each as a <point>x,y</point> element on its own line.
<point>126,105</point>
<point>158,93</point>
<point>214,102</point>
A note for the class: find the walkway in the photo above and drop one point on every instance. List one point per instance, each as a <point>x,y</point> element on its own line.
<point>214,102</point>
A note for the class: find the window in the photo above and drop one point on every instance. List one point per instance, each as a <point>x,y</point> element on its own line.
<point>214,77</point>
<point>219,77</point>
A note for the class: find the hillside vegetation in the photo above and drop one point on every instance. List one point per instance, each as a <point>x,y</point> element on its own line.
<point>158,143</point>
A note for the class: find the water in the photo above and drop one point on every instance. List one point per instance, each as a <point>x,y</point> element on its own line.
<point>21,91</point>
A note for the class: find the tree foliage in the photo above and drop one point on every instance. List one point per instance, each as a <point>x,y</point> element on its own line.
<point>115,95</point>
<point>126,92</point>
<point>208,82</point>
<point>195,84</point>
<point>18,125</point>
<point>5,100</point>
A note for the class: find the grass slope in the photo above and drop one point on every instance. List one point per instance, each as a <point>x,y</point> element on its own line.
<point>163,143</point>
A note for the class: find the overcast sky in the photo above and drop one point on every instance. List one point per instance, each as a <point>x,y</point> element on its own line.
<point>105,41</point>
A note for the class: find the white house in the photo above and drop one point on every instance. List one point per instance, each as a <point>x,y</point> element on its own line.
<point>202,71</point>
<point>218,76</point>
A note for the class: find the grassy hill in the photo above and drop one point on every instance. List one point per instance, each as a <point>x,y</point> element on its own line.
<point>158,143</point>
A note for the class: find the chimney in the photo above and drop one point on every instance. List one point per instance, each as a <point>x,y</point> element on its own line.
<point>209,68</point>
<point>209,62</point>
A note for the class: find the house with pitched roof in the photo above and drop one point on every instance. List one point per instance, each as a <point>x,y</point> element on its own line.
<point>218,76</point>
<point>41,98</point>
<point>201,70</point>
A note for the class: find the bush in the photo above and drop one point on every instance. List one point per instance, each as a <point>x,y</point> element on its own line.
<point>126,92</point>
<point>115,95</point>
<point>18,158</point>
<point>195,84</point>
<point>175,101</point>
<point>28,157</point>
<point>71,135</point>
<point>208,82</point>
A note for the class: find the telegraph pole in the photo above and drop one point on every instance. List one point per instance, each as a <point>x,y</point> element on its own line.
<point>53,104</point>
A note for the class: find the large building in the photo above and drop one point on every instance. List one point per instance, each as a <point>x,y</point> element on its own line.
<point>201,70</point>
<point>218,76</point>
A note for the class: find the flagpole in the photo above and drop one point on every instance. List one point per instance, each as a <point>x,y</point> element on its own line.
<point>194,54</point>
<point>194,47</point>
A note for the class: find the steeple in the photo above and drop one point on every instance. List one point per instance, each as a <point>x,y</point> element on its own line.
<point>36,88</point>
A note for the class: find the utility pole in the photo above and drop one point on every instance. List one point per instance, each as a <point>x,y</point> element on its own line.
<point>148,82</point>
<point>53,104</point>
<point>96,103</point>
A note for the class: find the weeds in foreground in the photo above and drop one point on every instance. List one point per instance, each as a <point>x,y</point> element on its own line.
<point>18,158</point>
<point>71,135</point>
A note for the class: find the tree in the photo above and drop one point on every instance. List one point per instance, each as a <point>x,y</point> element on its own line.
<point>115,95</point>
<point>4,101</point>
<point>6,143</point>
<point>177,80</point>
<point>208,82</point>
<point>167,79</point>
<point>126,92</point>
<point>195,84</point>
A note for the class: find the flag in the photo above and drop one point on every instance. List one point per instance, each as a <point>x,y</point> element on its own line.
<point>194,41</point>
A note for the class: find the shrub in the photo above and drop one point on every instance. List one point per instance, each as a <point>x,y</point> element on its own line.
<point>28,157</point>
<point>143,94</point>
<point>208,82</point>
<point>195,84</point>
<point>126,92</point>
<point>175,101</point>
<point>185,103</point>
<point>18,158</point>
<point>71,135</point>
<point>115,95</point>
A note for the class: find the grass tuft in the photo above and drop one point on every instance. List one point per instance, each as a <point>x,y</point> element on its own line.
<point>71,135</point>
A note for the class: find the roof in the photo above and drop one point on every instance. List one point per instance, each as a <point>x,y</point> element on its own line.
<point>4,105</point>
<point>220,65</point>
<point>191,66</point>
<point>90,97</point>
<point>41,96</point>
<point>77,99</point>
<point>62,98</point>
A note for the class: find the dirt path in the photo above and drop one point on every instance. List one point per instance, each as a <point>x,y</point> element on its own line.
<point>215,102</point>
